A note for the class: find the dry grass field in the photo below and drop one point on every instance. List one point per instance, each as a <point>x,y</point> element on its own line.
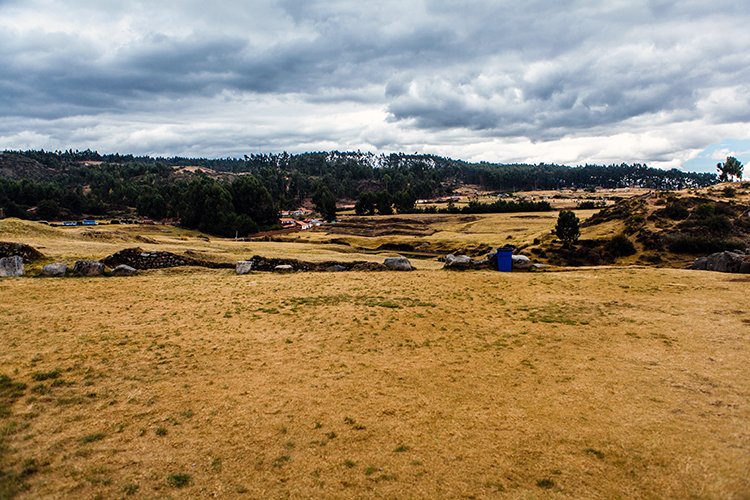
<point>197,383</point>
<point>190,382</point>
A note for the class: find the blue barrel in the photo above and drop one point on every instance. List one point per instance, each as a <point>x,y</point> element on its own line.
<point>505,259</point>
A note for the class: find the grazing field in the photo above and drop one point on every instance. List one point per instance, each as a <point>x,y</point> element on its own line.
<point>193,382</point>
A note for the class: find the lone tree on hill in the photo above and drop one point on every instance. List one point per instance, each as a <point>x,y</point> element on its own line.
<point>568,228</point>
<point>729,170</point>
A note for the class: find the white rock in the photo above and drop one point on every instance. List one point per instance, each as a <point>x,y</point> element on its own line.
<point>11,266</point>
<point>243,267</point>
<point>521,262</point>
<point>457,261</point>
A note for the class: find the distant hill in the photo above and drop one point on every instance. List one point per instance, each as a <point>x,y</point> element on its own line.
<point>229,195</point>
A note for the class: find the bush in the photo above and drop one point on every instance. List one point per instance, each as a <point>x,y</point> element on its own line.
<point>729,192</point>
<point>676,210</point>
<point>588,205</point>
<point>621,246</point>
<point>705,210</point>
<point>702,244</point>
<point>178,480</point>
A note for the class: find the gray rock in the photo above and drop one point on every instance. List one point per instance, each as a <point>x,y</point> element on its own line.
<point>283,268</point>
<point>336,268</point>
<point>724,262</point>
<point>88,268</point>
<point>56,270</point>
<point>124,270</point>
<point>700,264</point>
<point>398,264</point>
<point>243,267</point>
<point>11,266</point>
<point>521,262</point>
<point>457,262</point>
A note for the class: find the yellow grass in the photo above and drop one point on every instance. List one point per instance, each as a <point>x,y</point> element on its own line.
<point>591,384</point>
<point>452,231</point>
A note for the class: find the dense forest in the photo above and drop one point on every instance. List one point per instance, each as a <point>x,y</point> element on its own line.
<point>244,194</point>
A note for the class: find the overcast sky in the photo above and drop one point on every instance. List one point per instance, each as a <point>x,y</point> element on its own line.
<point>655,81</point>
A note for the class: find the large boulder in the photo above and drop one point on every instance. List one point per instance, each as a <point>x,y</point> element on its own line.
<point>88,268</point>
<point>723,262</point>
<point>56,270</point>
<point>11,266</point>
<point>458,262</point>
<point>398,264</point>
<point>521,263</point>
<point>243,267</point>
<point>124,270</point>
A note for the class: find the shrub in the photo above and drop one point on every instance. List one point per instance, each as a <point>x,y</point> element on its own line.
<point>702,244</point>
<point>178,480</point>
<point>729,192</point>
<point>621,246</point>
<point>676,210</point>
<point>705,210</point>
<point>587,205</point>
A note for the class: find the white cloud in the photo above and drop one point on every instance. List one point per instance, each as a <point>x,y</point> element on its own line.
<point>651,81</point>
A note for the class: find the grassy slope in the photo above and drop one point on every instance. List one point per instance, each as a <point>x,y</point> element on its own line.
<point>588,383</point>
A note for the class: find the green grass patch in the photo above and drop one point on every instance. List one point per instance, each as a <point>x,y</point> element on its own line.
<point>41,376</point>
<point>178,480</point>
<point>90,438</point>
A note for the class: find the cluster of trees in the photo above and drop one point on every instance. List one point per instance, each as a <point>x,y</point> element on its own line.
<point>226,208</point>
<point>496,207</point>
<point>248,192</point>
<point>730,170</point>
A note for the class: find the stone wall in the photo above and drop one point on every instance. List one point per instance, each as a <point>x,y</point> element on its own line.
<point>138,258</point>
<point>26,252</point>
<point>265,264</point>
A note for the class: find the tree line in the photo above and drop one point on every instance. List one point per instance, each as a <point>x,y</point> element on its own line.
<point>246,193</point>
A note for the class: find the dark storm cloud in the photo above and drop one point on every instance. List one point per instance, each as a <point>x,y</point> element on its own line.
<point>542,69</point>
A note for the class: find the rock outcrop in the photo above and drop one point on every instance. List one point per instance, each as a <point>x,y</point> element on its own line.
<point>724,262</point>
<point>11,266</point>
